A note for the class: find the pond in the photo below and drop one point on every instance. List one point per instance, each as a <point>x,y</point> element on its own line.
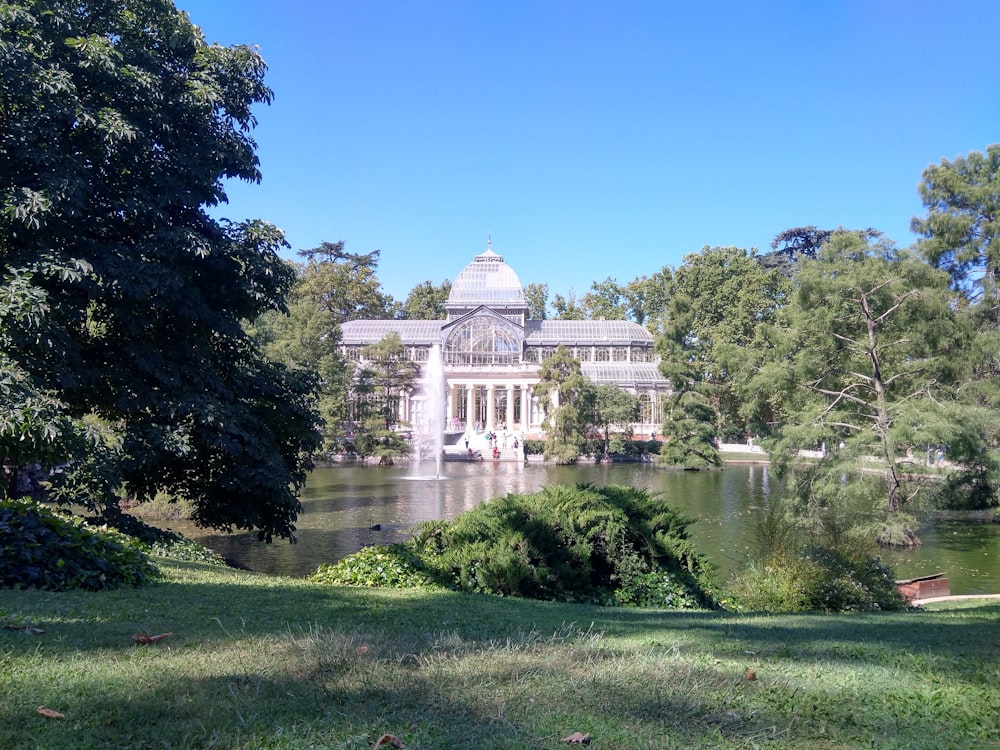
<point>348,507</point>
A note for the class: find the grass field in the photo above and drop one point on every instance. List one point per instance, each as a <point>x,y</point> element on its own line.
<point>263,662</point>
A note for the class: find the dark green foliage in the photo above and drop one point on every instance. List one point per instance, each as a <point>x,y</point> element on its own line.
<point>817,578</point>
<point>42,549</point>
<point>611,545</point>
<point>969,490</point>
<point>689,432</point>
<point>121,298</point>
<point>961,229</point>
<point>534,447</point>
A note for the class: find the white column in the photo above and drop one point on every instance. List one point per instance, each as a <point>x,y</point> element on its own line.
<point>509,418</point>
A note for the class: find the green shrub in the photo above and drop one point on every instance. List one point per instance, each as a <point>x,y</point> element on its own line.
<point>182,548</point>
<point>391,566</point>
<point>159,542</point>
<point>818,578</point>
<point>854,582</point>
<point>42,549</point>
<point>534,447</point>
<point>658,590</point>
<point>780,585</point>
<point>614,545</point>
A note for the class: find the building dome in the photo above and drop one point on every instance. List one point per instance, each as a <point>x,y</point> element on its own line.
<point>486,281</point>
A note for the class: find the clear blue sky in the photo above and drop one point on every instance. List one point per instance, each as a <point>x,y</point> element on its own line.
<point>598,139</point>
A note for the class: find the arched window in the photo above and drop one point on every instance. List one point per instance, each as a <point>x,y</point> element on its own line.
<point>483,341</point>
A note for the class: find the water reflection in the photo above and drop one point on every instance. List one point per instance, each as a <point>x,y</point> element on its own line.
<point>343,504</point>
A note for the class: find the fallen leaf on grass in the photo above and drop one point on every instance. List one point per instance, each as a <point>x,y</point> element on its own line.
<point>751,674</point>
<point>389,739</point>
<point>577,739</point>
<point>26,629</point>
<point>49,713</point>
<point>145,638</point>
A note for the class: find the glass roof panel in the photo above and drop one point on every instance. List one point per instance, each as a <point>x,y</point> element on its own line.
<point>486,281</point>
<point>576,332</point>
<point>624,373</point>
<point>360,332</point>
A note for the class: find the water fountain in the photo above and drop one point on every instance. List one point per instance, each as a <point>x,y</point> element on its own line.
<point>432,424</point>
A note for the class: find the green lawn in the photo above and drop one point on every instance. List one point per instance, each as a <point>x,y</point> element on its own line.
<point>262,662</point>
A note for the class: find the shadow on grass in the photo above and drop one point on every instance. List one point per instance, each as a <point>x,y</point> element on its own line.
<point>323,689</point>
<point>255,657</point>
<point>210,605</point>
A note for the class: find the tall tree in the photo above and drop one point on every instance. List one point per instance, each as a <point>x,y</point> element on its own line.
<point>719,298</point>
<point>384,376</point>
<point>346,284</point>
<point>646,297</point>
<point>606,299</point>
<point>331,287</point>
<point>689,430</point>
<point>867,362</point>
<point>691,420</point>
<point>563,391</point>
<point>118,126</point>
<point>426,302</point>
<point>799,243</point>
<point>613,409</point>
<point>567,308</point>
<point>307,340</point>
<point>961,232</point>
<point>537,297</point>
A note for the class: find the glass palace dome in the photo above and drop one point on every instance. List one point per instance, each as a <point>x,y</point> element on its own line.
<point>486,281</point>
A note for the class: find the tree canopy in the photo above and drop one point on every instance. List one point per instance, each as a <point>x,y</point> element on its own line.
<point>345,284</point>
<point>961,232</point>
<point>563,391</point>
<point>384,376</point>
<point>869,362</point>
<point>537,297</point>
<point>718,299</point>
<point>123,298</point>
<point>426,302</point>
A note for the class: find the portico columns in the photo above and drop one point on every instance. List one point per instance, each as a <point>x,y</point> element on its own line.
<point>490,405</point>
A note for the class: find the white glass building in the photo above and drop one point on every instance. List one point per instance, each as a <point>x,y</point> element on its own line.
<point>491,353</point>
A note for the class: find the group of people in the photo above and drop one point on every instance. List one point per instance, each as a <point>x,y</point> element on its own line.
<point>496,443</point>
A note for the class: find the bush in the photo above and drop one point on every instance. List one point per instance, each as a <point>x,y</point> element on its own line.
<point>818,578</point>
<point>780,585</point>
<point>45,550</point>
<point>534,447</point>
<point>614,545</point>
<point>156,541</point>
<point>387,566</point>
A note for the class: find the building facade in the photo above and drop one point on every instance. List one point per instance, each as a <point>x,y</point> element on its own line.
<point>487,354</point>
